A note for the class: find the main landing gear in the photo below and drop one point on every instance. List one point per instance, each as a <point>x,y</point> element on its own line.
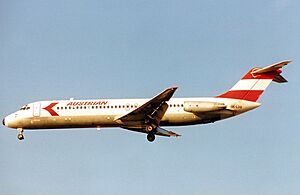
<point>20,134</point>
<point>151,133</point>
<point>151,136</point>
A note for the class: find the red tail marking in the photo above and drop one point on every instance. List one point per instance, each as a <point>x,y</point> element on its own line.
<point>50,110</point>
<point>251,95</point>
<point>268,75</point>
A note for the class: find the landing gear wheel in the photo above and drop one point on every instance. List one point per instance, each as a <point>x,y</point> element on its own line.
<point>20,136</point>
<point>20,133</point>
<point>150,137</point>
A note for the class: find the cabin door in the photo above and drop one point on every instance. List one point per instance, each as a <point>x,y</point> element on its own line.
<point>37,109</point>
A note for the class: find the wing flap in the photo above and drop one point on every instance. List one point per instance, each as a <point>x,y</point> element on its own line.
<point>159,131</point>
<point>164,132</point>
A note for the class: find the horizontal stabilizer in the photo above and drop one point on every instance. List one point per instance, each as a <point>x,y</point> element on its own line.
<point>272,67</point>
<point>279,79</point>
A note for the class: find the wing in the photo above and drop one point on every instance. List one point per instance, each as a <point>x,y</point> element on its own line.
<point>149,108</point>
<point>149,113</point>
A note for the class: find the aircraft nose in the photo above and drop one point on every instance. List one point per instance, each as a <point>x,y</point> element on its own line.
<point>3,121</point>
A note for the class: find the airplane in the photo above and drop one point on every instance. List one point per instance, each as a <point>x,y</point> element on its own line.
<point>147,115</point>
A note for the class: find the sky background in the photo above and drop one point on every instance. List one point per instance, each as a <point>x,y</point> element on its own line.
<point>134,49</point>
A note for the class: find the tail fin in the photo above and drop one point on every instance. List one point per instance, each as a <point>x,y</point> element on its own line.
<point>253,84</point>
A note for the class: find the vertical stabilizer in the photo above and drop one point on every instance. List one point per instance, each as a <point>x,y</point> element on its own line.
<point>254,83</point>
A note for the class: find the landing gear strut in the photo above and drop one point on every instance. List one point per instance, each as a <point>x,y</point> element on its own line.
<point>151,137</point>
<point>20,134</point>
<point>149,128</point>
<point>151,132</point>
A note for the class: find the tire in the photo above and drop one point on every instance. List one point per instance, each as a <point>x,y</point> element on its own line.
<point>150,137</point>
<point>20,136</point>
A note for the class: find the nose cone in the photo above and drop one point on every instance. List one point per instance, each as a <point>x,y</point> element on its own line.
<point>3,121</point>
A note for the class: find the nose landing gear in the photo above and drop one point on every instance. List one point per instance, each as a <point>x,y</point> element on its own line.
<point>20,134</point>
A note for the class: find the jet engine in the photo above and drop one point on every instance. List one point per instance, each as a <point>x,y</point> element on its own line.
<point>201,106</point>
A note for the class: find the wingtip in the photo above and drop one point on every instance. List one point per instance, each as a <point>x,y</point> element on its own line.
<point>174,87</point>
<point>286,61</point>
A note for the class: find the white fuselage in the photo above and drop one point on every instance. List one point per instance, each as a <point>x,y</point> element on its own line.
<point>147,115</point>
<point>103,112</point>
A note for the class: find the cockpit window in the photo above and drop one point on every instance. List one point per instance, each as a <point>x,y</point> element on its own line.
<point>26,107</point>
<point>23,107</point>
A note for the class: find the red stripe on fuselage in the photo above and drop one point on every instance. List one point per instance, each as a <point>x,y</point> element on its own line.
<point>50,110</point>
<point>250,95</point>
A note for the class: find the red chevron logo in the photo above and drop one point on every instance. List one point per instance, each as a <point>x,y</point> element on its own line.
<point>50,110</point>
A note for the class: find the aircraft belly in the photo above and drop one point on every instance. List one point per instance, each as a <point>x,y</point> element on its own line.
<point>69,122</point>
<point>180,119</point>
